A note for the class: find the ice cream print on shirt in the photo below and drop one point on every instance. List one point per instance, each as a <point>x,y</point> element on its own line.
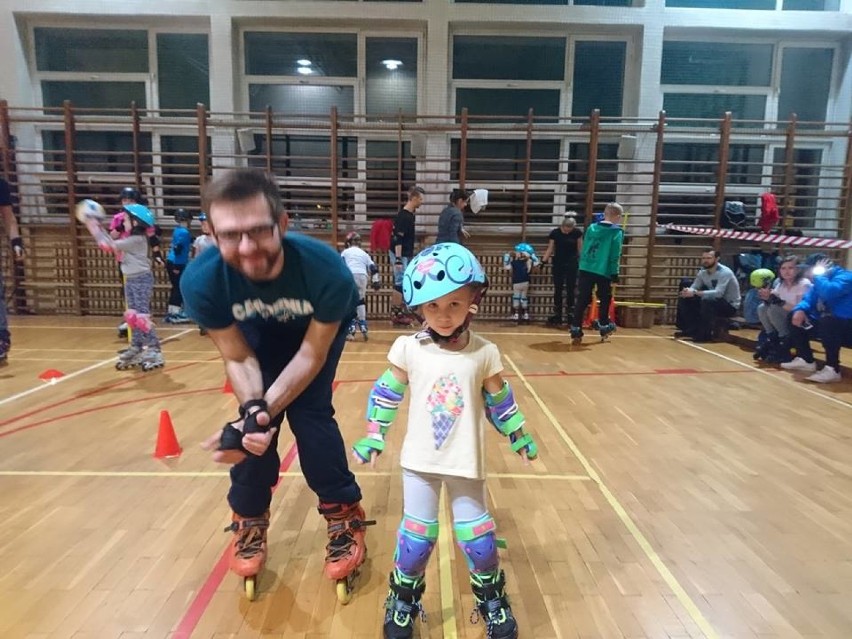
<point>445,403</point>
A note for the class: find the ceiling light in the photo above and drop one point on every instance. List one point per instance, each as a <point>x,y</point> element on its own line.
<point>305,70</point>
<point>304,62</point>
<point>392,65</point>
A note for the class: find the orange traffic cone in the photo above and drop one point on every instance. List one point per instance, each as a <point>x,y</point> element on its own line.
<point>50,374</point>
<point>167,443</point>
<point>591,312</point>
<point>227,388</point>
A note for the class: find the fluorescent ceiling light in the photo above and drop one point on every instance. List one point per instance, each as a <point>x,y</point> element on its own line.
<point>304,62</point>
<point>305,70</point>
<point>392,65</point>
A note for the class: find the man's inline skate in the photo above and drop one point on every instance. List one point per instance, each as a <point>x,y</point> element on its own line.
<point>248,549</point>
<point>346,549</point>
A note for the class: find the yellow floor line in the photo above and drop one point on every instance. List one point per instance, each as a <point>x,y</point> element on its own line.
<point>445,569</point>
<point>672,582</point>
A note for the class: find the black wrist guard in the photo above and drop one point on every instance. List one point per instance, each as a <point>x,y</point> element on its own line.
<point>250,424</point>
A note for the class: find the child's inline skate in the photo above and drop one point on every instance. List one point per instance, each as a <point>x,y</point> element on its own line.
<point>130,357</point>
<point>576,335</point>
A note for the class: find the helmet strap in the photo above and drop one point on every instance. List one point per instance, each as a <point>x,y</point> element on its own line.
<point>456,334</point>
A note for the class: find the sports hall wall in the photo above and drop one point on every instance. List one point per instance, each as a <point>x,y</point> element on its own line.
<point>671,108</point>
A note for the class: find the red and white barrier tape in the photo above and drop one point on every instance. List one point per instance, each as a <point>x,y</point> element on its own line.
<point>753,236</point>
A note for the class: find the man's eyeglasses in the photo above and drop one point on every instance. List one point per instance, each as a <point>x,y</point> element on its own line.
<point>255,234</point>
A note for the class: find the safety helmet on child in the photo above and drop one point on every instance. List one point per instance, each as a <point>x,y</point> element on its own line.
<point>523,247</point>
<point>352,238</point>
<point>182,215</point>
<point>129,193</point>
<point>761,277</point>
<point>202,217</point>
<point>141,214</point>
<point>439,270</point>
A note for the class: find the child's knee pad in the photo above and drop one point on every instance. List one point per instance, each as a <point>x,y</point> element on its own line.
<point>144,323</point>
<point>415,541</point>
<point>479,543</point>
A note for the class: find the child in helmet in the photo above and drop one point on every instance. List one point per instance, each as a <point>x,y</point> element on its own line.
<point>176,262</point>
<point>519,263</point>
<point>362,266</point>
<point>457,385</point>
<point>132,250</point>
<point>205,240</point>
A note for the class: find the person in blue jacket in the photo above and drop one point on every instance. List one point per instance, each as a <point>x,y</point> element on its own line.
<point>176,262</point>
<point>824,313</point>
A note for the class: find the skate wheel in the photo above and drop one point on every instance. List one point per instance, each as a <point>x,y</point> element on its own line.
<point>344,591</point>
<point>250,583</point>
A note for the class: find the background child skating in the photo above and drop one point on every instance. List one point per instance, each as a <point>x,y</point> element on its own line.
<point>599,267</point>
<point>362,267</point>
<point>456,387</point>
<point>144,350</point>
<point>205,240</point>
<point>201,244</point>
<point>520,262</point>
<point>176,261</point>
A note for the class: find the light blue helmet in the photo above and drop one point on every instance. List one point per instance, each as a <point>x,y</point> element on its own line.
<point>439,270</point>
<point>523,247</point>
<point>141,213</point>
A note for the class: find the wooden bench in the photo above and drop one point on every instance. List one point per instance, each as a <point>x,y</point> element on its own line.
<point>637,314</point>
<point>746,338</point>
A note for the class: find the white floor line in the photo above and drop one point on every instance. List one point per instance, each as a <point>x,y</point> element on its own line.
<point>785,380</point>
<point>58,380</point>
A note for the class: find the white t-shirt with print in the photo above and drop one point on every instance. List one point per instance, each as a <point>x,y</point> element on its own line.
<point>446,414</point>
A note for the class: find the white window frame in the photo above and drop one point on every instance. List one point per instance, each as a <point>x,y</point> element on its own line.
<point>773,90</point>
<point>153,179</point>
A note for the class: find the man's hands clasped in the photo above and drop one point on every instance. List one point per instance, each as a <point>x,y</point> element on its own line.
<point>249,434</point>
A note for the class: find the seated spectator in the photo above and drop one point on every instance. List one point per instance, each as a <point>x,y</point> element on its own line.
<point>774,311</point>
<point>825,313</point>
<point>714,294</point>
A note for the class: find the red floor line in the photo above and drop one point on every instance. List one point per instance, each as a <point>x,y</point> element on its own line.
<point>205,594</point>
<point>82,395</point>
<point>214,579</point>
<point>95,409</point>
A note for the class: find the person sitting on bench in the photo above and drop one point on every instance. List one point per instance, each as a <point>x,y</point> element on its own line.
<point>714,294</point>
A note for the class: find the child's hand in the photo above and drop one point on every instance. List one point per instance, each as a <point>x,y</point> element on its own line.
<point>361,461</point>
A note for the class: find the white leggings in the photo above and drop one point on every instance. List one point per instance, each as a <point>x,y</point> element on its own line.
<point>421,491</point>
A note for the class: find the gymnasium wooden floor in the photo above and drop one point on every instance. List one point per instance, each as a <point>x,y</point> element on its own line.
<point>681,493</point>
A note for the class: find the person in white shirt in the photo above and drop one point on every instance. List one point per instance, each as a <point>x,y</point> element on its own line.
<point>457,385</point>
<point>774,312</point>
<point>362,267</point>
<point>205,240</point>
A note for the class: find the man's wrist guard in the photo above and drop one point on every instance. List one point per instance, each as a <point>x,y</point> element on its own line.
<point>250,424</point>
